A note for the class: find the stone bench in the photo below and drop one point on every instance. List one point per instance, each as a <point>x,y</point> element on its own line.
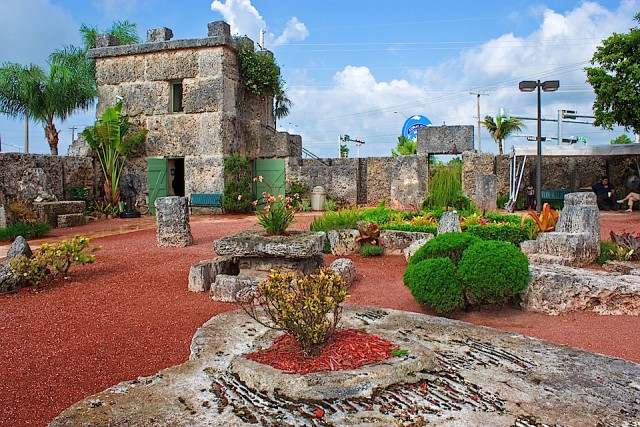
<point>71,220</point>
<point>48,212</point>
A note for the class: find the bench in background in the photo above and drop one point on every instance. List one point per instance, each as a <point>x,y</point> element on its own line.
<point>205,200</point>
<point>554,196</point>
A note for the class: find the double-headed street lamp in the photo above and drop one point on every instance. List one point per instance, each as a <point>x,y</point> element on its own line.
<point>530,86</point>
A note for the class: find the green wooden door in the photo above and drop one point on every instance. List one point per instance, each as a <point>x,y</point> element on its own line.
<point>158,181</point>
<point>273,177</point>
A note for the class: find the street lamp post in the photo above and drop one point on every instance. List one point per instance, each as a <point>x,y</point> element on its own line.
<point>530,86</point>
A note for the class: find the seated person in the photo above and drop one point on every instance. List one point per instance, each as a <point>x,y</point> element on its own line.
<point>630,200</point>
<point>605,193</point>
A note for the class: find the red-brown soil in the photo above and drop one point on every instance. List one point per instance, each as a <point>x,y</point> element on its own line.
<point>130,314</point>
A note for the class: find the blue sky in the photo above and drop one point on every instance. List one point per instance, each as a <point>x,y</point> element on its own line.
<point>361,67</point>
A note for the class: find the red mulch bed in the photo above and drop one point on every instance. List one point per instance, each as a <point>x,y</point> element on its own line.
<point>130,314</point>
<point>346,349</point>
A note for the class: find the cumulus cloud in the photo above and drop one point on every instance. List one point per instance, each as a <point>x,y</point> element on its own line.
<point>245,19</point>
<point>559,49</point>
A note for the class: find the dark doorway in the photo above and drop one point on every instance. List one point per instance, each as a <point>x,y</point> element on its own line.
<point>176,176</point>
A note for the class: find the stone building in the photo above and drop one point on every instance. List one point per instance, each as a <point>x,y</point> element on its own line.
<point>189,95</point>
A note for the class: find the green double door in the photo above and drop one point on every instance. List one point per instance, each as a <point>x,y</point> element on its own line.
<point>158,180</point>
<point>273,177</point>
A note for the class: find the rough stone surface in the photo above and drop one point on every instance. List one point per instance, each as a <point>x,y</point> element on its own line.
<point>345,268</point>
<point>450,222</point>
<point>556,289</point>
<point>3,217</point>
<point>260,266</point>
<point>34,185</point>
<point>161,34</point>
<point>473,165</point>
<point>485,198</point>
<point>414,246</point>
<point>622,267</point>
<point>485,377</point>
<point>172,219</point>
<point>9,281</point>
<point>203,274</point>
<point>576,241</point>
<point>48,212</point>
<point>252,243</point>
<point>343,242</point>
<point>71,220</point>
<point>238,288</point>
<point>396,241</point>
<point>445,139</point>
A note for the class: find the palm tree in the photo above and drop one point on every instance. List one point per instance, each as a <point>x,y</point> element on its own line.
<point>30,92</point>
<point>406,147</point>
<point>125,31</point>
<point>502,127</point>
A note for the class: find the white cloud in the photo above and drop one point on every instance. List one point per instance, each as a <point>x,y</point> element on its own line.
<point>295,31</point>
<point>559,48</point>
<point>245,20</point>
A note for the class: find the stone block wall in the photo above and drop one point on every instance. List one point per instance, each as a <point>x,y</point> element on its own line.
<point>53,173</point>
<point>445,139</point>
<point>401,181</point>
<point>219,116</point>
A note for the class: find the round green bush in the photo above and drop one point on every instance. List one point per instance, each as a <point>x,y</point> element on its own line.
<point>434,281</point>
<point>447,245</point>
<point>493,272</point>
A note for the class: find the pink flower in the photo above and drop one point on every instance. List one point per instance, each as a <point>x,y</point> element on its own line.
<point>254,203</point>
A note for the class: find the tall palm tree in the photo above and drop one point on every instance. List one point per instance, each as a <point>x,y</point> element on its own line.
<point>30,91</point>
<point>501,128</point>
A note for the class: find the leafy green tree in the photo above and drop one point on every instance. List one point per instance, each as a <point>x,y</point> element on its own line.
<point>622,139</point>
<point>405,147</point>
<point>615,77</point>
<point>501,128</point>
<point>29,91</point>
<point>125,31</point>
<point>114,139</point>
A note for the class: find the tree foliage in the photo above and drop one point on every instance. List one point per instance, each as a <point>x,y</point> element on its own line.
<point>615,77</point>
<point>114,139</point>
<point>501,128</point>
<point>405,147</point>
<point>622,139</point>
<point>29,91</point>
<point>261,76</point>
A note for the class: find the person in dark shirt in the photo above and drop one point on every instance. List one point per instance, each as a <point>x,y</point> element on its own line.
<point>605,193</point>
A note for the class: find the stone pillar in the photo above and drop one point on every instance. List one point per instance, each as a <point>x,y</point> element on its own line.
<point>450,222</point>
<point>172,219</point>
<point>106,40</point>
<point>161,34</point>
<point>485,199</point>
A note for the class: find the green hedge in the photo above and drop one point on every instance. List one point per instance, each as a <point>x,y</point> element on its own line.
<point>493,271</point>
<point>511,233</point>
<point>434,281</point>
<point>26,230</point>
<point>447,245</point>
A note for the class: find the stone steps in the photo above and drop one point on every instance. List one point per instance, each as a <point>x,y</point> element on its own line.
<point>71,220</point>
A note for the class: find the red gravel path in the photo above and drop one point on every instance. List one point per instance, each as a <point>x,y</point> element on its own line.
<point>130,315</point>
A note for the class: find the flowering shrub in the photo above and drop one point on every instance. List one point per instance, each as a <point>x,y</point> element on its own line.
<point>278,211</point>
<point>50,262</point>
<point>305,306</point>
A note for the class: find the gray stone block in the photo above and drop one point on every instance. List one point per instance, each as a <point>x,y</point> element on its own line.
<point>254,244</point>
<point>343,242</point>
<point>71,220</point>
<point>345,268</point>
<point>556,289</point>
<point>450,222</point>
<point>204,273</point>
<point>226,288</point>
<point>172,220</point>
<point>161,34</point>
<point>395,241</point>
<point>414,246</point>
<point>48,212</point>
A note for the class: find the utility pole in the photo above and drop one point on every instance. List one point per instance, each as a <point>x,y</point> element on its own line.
<point>26,133</point>
<point>478,95</point>
<point>73,133</point>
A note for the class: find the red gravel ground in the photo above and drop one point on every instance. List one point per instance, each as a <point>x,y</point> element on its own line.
<point>130,314</point>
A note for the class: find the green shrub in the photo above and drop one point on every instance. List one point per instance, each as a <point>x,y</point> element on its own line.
<point>368,249</point>
<point>493,272</point>
<point>504,232</point>
<point>381,214</point>
<point>238,182</point>
<point>435,282</point>
<point>502,218</point>
<point>607,250</point>
<point>433,229</point>
<point>77,192</point>
<point>27,230</point>
<point>502,200</point>
<point>342,219</point>
<point>51,262</point>
<point>305,306</point>
<point>447,245</point>
<point>329,205</point>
